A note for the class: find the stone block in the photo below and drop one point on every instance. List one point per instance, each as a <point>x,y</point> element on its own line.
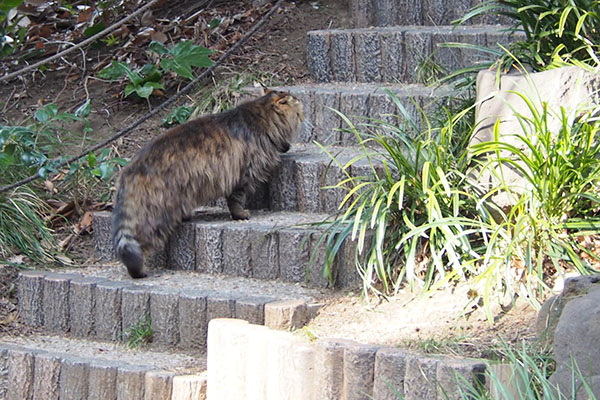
<point>329,369</point>
<point>294,254</point>
<point>102,226</point>
<point>348,276</point>
<point>282,187</point>
<point>306,134</point>
<point>164,314</point>
<point>135,306</point>
<point>383,108</point>
<point>20,375</point>
<point>264,255</point>
<point>209,248</point>
<point>359,363</point>
<point>309,177</point>
<point>227,359</point>
<point>390,368</point>
<point>286,314</point>
<point>236,250</point>
<point>386,13</point>
<point>409,12</point>
<point>368,56</point>
<point>317,54</point>
<point>81,305</point>
<point>393,68</point>
<point>189,387</point>
<point>158,385</point>
<point>56,302</point>
<point>130,382</point>
<point>290,367</point>
<point>443,12</point>
<point>252,309</point>
<point>181,253</point>
<point>355,106</point>
<point>107,310</point>
<point>362,12</point>
<point>193,324</point>
<point>417,49</point>
<point>259,200</point>
<point>102,380</point>
<point>47,377</point>
<point>420,379</point>
<point>4,382</point>
<point>342,56</point>
<point>74,378</point>
<point>220,305</point>
<point>257,372</point>
<point>326,122</point>
<point>453,374</point>
<point>30,292</point>
<point>331,196</point>
<point>317,276</point>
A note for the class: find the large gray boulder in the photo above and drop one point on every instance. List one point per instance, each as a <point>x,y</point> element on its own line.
<point>571,322</point>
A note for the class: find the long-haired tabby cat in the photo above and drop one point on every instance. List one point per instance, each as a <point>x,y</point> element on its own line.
<point>220,155</point>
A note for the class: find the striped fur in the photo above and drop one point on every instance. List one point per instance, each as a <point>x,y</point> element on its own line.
<point>221,155</point>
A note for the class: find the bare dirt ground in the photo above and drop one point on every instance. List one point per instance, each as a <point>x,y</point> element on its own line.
<point>279,51</point>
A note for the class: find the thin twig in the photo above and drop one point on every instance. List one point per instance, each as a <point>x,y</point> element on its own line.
<point>79,45</point>
<point>161,107</point>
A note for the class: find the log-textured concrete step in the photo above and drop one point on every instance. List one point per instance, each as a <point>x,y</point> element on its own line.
<point>361,103</point>
<point>52,368</point>
<point>416,12</point>
<point>332,369</point>
<point>104,303</point>
<point>396,54</point>
<point>269,246</point>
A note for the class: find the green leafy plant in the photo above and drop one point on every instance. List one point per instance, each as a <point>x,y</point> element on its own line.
<point>139,334</point>
<point>141,82</point>
<point>412,215</point>
<point>181,57</point>
<point>556,32</point>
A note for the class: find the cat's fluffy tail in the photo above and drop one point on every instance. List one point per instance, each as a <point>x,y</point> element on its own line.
<point>129,252</point>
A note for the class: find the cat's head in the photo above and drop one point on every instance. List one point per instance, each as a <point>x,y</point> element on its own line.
<point>286,105</point>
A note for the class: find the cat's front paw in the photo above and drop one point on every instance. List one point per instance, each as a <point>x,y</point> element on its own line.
<point>240,214</point>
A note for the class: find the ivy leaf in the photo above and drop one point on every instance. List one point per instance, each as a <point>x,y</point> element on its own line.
<point>186,55</point>
<point>146,90</point>
<point>45,113</point>
<point>114,71</point>
<point>92,30</point>
<point>158,48</point>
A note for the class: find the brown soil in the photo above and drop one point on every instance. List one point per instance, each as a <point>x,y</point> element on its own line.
<point>279,51</point>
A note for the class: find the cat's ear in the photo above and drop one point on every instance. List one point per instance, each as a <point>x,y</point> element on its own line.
<point>263,90</point>
<point>283,98</point>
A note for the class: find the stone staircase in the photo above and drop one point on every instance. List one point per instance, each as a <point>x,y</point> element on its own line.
<point>257,270</point>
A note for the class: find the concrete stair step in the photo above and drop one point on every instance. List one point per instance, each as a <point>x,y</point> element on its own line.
<point>416,12</point>
<point>395,54</point>
<point>361,102</point>
<point>303,182</point>
<point>271,246</point>
<point>104,304</point>
<point>49,368</point>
